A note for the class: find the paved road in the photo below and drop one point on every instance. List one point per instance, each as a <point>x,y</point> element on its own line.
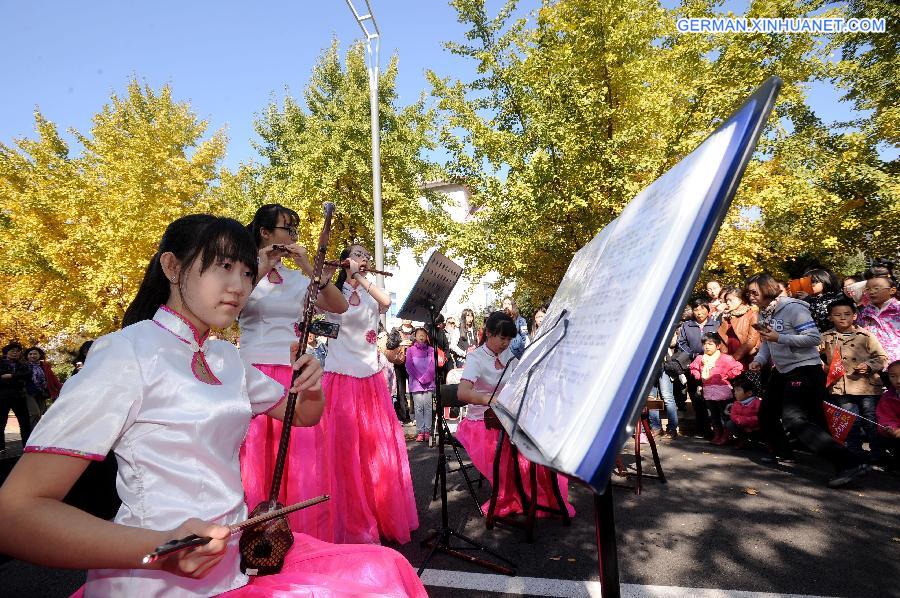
<point>723,521</point>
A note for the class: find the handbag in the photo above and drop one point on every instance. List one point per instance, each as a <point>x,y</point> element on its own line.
<point>442,358</point>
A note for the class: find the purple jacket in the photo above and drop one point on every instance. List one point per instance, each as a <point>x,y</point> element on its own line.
<point>420,366</point>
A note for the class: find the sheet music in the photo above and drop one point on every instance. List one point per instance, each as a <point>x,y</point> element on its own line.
<point>610,287</point>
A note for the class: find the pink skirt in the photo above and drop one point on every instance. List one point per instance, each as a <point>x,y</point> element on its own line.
<point>316,569</point>
<point>481,444</point>
<point>368,475</point>
<point>303,476</point>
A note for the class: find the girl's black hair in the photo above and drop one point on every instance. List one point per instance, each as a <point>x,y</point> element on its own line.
<point>828,279</point>
<point>342,275</point>
<point>498,324</point>
<point>198,236</point>
<point>267,217</point>
<point>39,350</point>
<point>711,336</point>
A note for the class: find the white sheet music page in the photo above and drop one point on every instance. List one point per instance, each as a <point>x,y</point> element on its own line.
<point>609,288</point>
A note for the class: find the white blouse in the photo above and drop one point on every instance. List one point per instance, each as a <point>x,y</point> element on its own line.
<point>175,437</point>
<point>483,369</point>
<point>355,351</point>
<point>269,320</point>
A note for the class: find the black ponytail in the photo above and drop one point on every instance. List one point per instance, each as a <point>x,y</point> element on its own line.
<point>196,236</point>
<point>342,275</point>
<point>267,217</point>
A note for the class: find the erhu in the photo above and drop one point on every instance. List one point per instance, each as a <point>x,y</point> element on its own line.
<point>263,548</point>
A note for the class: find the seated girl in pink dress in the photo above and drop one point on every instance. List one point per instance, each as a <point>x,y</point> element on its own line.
<point>481,376</point>
<point>173,406</point>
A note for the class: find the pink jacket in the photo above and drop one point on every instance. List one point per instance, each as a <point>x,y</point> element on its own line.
<point>888,411</point>
<point>746,416</point>
<point>725,368</point>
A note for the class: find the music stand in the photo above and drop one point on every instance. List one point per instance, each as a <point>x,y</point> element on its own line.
<point>424,303</point>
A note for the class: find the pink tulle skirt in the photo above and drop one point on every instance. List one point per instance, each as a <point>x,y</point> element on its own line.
<point>303,468</point>
<point>316,569</point>
<point>481,444</point>
<point>368,475</point>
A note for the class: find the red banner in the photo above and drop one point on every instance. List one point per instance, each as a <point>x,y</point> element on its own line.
<point>839,422</point>
<point>836,371</point>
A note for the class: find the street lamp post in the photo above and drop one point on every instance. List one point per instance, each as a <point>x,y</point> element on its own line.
<point>373,42</point>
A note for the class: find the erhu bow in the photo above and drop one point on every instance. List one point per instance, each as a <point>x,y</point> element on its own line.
<point>263,548</point>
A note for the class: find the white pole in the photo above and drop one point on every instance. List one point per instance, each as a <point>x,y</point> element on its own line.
<point>372,49</point>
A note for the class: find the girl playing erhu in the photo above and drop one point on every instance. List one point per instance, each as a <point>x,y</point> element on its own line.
<point>174,406</point>
<point>486,369</point>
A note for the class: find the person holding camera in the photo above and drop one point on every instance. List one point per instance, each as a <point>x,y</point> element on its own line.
<point>796,388</point>
<point>268,327</point>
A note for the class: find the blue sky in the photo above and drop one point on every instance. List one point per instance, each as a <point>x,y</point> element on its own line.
<point>228,59</point>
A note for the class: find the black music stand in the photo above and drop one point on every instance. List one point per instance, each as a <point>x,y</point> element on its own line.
<point>424,303</point>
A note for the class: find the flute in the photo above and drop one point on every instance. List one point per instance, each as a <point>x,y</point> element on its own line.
<point>194,540</point>
<point>363,269</point>
<point>341,264</point>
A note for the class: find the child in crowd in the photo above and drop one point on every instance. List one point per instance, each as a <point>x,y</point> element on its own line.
<point>855,383</point>
<point>888,412</point>
<point>882,314</point>
<point>420,366</point>
<point>174,406</point>
<point>714,369</point>
<point>744,414</point>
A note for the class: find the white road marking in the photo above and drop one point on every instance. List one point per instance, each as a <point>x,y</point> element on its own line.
<point>569,588</point>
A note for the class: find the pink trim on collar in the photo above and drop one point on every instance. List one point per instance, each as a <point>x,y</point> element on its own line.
<point>193,328</point>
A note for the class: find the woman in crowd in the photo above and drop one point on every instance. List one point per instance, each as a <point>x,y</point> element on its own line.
<point>796,387</point>
<point>738,317</point>
<point>690,341</point>
<point>520,340</point>
<point>487,369</point>
<point>365,451</point>
<point>269,324</point>
<point>825,289</point>
<point>468,336</point>
<point>43,385</point>
<point>174,406</point>
<point>13,376</point>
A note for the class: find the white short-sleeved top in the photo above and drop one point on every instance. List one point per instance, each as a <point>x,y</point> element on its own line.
<point>269,320</point>
<point>175,437</point>
<point>483,369</point>
<point>355,351</point>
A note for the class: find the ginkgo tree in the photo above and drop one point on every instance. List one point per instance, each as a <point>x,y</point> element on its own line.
<point>79,228</point>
